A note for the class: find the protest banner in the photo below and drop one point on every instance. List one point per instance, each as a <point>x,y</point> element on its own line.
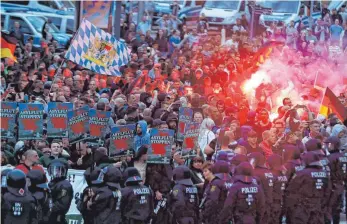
<point>161,146</point>
<point>57,119</point>
<point>191,135</point>
<point>76,179</point>
<point>98,121</point>
<point>8,119</point>
<point>185,116</point>
<point>78,124</point>
<point>30,121</point>
<point>122,141</point>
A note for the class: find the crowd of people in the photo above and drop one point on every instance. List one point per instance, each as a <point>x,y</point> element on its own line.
<point>248,167</point>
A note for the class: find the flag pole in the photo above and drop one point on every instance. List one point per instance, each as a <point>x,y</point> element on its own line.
<point>64,60</point>
<point>55,75</point>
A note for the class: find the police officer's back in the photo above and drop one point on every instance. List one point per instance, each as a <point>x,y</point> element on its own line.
<point>337,163</point>
<point>137,199</point>
<point>315,145</point>
<point>19,205</point>
<point>39,189</point>
<point>245,202</point>
<point>292,161</point>
<point>266,179</point>
<point>275,164</point>
<point>184,197</point>
<point>61,190</point>
<point>310,190</point>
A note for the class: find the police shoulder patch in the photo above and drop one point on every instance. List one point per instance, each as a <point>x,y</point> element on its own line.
<point>175,193</point>
<point>213,188</point>
<point>63,193</point>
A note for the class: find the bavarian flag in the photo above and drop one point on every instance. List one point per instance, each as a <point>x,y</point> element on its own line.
<point>331,104</point>
<point>97,50</point>
<point>8,46</point>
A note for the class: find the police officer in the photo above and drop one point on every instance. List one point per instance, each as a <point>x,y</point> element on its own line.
<point>102,203</point>
<point>61,191</point>
<point>19,206</point>
<point>81,202</point>
<point>214,196</point>
<point>343,163</point>
<point>266,180</point>
<point>292,161</point>
<point>245,201</point>
<point>159,178</point>
<point>275,164</point>
<point>315,145</point>
<point>184,197</point>
<point>113,178</point>
<point>221,170</point>
<point>235,161</point>
<point>137,199</point>
<point>39,189</point>
<point>309,191</point>
<point>3,189</point>
<point>337,163</point>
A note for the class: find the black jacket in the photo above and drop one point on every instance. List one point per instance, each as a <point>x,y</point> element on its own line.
<point>62,194</point>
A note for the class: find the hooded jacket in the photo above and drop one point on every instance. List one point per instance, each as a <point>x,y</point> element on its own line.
<point>343,140</point>
<point>144,138</point>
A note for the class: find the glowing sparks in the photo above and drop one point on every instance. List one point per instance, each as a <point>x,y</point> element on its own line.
<point>257,78</point>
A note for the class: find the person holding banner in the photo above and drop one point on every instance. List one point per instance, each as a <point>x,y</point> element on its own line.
<point>142,137</point>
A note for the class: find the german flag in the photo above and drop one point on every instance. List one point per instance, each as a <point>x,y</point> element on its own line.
<point>331,104</point>
<point>264,52</point>
<point>8,46</point>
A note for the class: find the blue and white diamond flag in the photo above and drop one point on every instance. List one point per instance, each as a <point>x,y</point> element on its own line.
<point>97,50</point>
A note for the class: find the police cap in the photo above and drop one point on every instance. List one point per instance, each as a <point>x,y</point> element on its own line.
<point>221,170</point>
<point>16,182</point>
<point>113,176</point>
<point>181,175</point>
<point>131,174</point>
<point>244,172</point>
<point>38,179</point>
